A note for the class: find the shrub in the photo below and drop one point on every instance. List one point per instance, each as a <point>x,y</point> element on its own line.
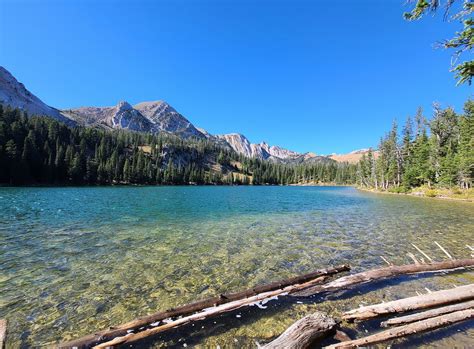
<point>398,190</point>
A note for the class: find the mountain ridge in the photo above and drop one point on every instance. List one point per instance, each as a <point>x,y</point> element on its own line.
<point>149,116</point>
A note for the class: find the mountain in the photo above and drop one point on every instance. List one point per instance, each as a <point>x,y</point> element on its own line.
<point>14,94</point>
<point>166,118</point>
<point>121,116</point>
<point>353,157</point>
<point>263,151</point>
<point>242,145</point>
<point>150,117</point>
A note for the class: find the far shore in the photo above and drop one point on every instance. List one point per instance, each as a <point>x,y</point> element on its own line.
<point>313,184</point>
<point>443,195</point>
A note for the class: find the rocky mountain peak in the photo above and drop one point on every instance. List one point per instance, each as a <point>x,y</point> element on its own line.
<point>242,145</point>
<point>14,94</point>
<point>166,118</point>
<point>124,106</point>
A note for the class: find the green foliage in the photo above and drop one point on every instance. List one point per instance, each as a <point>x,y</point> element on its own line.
<point>40,150</point>
<point>463,41</point>
<point>444,157</point>
<point>399,190</point>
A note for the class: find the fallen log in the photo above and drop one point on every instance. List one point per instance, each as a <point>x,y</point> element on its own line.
<point>406,330</point>
<point>121,330</point>
<point>402,320</point>
<point>444,297</point>
<point>384,273</point>
<point>133,337</point>
<point>3,333</point>
<point>304,332</point>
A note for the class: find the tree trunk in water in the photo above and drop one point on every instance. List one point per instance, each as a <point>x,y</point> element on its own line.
<point>458,294</point>
<point>402,320</point>
<point>303,332</point>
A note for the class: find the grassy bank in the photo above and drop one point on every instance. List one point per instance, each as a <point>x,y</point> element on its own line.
<point>439,193</point>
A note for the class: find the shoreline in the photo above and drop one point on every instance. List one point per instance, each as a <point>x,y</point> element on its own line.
<point>418,194</point>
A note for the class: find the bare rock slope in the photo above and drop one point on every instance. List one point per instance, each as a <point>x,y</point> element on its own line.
<point>352,157</point>
<point>14,94</point>
<point>263,151</point>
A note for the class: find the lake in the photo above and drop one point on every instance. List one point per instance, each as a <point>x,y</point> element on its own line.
<point>77,260</point>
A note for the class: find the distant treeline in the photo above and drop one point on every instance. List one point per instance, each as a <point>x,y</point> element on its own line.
<point>435,153</point>
<point>43,151</point>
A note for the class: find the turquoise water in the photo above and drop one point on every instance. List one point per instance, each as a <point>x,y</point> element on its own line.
<point>75,260</point>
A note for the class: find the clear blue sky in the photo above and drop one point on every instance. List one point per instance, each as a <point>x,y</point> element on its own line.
<point>322,76</point>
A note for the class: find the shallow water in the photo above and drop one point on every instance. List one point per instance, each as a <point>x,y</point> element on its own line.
<point>75,260</point>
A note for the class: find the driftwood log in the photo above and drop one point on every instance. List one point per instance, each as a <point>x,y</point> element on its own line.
<point>196,307</point>
<point>413,328</point>
<point>402,320</point>
<point>384,273</point>
<point>3,333</point>
<point>438,298</point>
<point>304,332</point>
<point>133,337</point>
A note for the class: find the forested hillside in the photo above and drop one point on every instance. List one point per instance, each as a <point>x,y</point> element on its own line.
<point>41,150</point>
<point>434,153</point>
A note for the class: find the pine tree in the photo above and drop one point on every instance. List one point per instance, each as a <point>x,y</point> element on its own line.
<point>466,146</point>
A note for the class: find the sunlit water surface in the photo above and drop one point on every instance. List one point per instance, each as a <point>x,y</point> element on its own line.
<point>76,260</point>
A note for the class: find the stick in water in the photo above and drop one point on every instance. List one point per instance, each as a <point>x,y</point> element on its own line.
<point>412,256</point>
<point>442,249</point>
<point>385,260</point>
<point>423,253</point>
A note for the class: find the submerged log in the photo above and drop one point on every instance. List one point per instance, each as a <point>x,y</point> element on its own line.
<point>402,320</point>
<point>124,329</point>
<point>133,337</point>
<point>3,333</point>
<point>406,330</point>
<point>458,294</point>
<point>304,332</point>
<point>384,273</point>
